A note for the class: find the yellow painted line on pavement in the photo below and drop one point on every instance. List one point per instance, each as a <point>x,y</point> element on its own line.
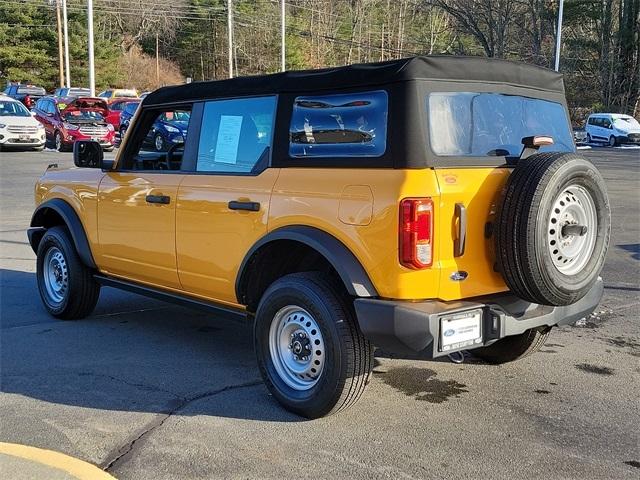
<point>73,466</point>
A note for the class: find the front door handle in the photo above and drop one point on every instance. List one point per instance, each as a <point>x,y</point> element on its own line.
<point>249,206</point>
<point>460,242</point>
<point>161,199</point>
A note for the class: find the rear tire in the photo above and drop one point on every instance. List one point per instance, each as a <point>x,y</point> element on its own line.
<point>304,310</point>
<point>510,349</point>
<point>67,287</point>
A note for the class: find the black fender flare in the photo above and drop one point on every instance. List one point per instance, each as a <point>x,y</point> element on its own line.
<point>349,268</point>
<point>72,222</point>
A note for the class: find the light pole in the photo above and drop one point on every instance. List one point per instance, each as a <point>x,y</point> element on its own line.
<point>60,56</point>
<point>92,73</point>
<point>230,35</point>
<point>66,42</point>
<point>283,66</point>
<point>559,36</point>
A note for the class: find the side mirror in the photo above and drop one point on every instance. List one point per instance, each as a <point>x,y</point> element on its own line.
<point>87,154</point>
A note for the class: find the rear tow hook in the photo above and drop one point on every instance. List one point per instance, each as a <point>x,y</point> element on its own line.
<point>456,357</point>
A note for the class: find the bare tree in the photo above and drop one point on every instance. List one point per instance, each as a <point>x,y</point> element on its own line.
<point>136,20</point>
<point>488,21</point>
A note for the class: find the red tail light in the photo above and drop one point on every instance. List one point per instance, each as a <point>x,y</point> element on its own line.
<point>27,101</point>
<point>416,232</point>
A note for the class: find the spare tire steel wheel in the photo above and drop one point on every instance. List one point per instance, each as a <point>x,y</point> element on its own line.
<point>553,228</point>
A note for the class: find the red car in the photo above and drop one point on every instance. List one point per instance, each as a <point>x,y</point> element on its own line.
<point>116,108</point>
<point>82,119</point>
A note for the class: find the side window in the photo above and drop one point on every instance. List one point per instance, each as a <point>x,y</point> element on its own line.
<point>591,121</point>
<point>236,135</point>
<point>160,145</point>
<point>344,125</point>
<point>606,123</point>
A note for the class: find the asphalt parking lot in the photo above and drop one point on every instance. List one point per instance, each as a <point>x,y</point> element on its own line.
<point>145,390</point>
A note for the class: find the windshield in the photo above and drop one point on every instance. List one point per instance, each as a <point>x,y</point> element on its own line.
<point>13,109</point>
<point>627,122</point>
<point>493,124</point>
<point>82,116</point>
<point>177,116</point>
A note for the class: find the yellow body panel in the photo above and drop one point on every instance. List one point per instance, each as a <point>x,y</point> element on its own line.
<point>195,244</point>
<point>478,190</point>
<point>211,239</point>
<point>304,196</point>
<point>137,239</point>
<point>79,188</point>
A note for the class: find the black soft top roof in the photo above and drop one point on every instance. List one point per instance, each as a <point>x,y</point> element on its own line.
<point>437,67</point>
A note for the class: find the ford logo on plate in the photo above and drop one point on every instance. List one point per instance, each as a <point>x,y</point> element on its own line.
<point>448,333</point>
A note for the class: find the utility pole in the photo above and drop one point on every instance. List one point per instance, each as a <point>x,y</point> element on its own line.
<point>283,65</point>
<point>157,64</point>
<point>230,35</point>
<point>559,36</point>
<point>92,73</point>
<point>60,56</point>
<point>66,42</point>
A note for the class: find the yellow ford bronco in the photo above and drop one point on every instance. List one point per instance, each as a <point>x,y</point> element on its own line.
<point>431,204</point>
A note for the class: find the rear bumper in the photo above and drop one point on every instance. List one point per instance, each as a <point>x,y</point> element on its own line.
<point>406,327</point>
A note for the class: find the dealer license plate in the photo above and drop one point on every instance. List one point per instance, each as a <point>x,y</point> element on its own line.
<point>24,138</point>
<point>460,330</point>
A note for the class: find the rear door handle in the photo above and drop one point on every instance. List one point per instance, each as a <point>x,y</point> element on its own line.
<point>249,206</point>
<point>460,242</point>
<point>162,199</point>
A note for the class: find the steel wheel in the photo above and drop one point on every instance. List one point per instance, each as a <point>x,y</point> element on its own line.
<point>572,230</point>
<point>296,347</point>
<point>55,275</point>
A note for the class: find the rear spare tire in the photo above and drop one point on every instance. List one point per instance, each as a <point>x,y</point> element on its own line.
<point>553,228</point>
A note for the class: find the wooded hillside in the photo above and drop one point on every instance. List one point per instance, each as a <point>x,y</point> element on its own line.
<point>600,56</point>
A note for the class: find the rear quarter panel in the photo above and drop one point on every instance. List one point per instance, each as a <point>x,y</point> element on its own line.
<point>312,197</point>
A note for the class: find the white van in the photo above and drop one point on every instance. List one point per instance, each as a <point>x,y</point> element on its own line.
<point>612,128</point>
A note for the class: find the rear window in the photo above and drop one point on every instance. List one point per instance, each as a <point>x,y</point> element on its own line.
<point>29,90</point>
<point>344,125</point>
<point>492,124</point>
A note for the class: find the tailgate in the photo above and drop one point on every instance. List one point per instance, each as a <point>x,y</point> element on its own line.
<point>476,192</point>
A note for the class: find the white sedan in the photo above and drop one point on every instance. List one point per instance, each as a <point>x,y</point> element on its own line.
<point>18,128</point>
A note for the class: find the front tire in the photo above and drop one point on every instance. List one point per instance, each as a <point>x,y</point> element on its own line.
<point>311,354</point>
<point>510,349</point>
<point>159,143</point>
<point>613,141</point>
<point>67,287</point>
<point>57,142</point>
